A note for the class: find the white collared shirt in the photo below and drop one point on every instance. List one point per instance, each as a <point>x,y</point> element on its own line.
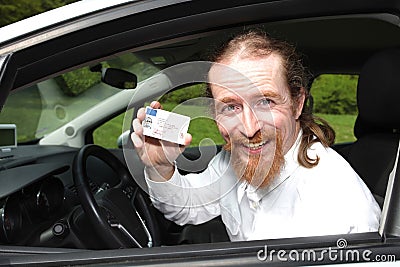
<point>329,198</point>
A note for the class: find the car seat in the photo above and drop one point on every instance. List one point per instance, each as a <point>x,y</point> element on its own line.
<point>377,126</point>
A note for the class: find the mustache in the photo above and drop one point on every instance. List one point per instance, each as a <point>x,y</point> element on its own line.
<point>259,137</point>
<point>259,170</point>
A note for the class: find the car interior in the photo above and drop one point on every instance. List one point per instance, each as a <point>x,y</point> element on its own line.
<point>94,180</point>
<point>374,152</point>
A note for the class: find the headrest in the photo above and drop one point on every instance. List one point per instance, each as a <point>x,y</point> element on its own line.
<point>378,93</point>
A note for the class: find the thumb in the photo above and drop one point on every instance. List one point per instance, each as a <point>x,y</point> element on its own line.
<point>188,140</point>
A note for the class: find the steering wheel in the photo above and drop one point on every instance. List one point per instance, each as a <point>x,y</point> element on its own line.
<point>119,215</point>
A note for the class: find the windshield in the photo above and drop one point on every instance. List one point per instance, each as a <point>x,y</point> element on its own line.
<point>46,106</point>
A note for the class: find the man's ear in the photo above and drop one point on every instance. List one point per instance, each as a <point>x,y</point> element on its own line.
<point>299,103</point>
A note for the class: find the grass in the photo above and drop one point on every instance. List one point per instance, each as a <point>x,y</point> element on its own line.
<point>343,126</point>
<point>107,134</point>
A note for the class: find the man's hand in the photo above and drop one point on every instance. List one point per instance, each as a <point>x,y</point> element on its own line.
<point>157,155</point>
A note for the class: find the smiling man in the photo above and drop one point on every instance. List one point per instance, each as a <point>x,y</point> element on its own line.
<point>276,176</point>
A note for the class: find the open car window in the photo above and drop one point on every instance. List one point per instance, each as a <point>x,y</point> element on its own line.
<point>57,101</point>
<point>334,100</point>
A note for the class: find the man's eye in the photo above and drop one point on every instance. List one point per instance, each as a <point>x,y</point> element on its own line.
<point>230,108</point>
<point>265,102</point>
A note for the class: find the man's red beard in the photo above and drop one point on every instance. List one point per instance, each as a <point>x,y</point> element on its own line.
<point>261,168</point>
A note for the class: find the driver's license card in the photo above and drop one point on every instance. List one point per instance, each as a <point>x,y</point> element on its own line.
<point>165,125</point>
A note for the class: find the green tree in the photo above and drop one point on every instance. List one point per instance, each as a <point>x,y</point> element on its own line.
<point>76,82</point>
<point>335,94</point>
<point>15,10</point>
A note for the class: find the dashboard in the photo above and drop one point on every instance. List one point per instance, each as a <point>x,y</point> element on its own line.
<point>27,210</point>
<point>40,206</point>
<point>37,193</point>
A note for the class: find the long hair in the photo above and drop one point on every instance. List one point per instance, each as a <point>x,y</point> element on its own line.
<point>257,44</point>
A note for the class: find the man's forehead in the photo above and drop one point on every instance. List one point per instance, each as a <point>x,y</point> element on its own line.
<point>240,70</point>
<point>247,75</point>
<point>226,95</point>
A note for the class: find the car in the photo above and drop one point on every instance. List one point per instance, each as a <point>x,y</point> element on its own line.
<point>72,188</point>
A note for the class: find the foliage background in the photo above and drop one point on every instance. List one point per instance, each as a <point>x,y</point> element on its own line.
<point>15,10</point>
<point>335,94</point>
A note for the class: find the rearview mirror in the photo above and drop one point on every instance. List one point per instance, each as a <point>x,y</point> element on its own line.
<point>119,78</point>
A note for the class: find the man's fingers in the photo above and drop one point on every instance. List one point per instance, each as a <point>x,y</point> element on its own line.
<point>141,114</point>
<point>137,141</point>
<point>156,104</point>
<point>137,135</point>
<point>188,139</point>
<point>137,127</point>
<point>152,150</point>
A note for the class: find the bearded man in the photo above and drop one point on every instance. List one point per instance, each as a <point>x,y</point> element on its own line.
<point>276,176</point>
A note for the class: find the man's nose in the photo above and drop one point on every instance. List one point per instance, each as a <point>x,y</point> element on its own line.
<point>250,122</point>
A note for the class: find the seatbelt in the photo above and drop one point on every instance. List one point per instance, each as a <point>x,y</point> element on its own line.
<point>388,194</point>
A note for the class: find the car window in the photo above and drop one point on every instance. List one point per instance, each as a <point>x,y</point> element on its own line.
<point>335,101</point>
<point>50,104</point>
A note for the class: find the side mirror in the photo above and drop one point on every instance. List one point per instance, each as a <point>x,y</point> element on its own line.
<point>118,78</point>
